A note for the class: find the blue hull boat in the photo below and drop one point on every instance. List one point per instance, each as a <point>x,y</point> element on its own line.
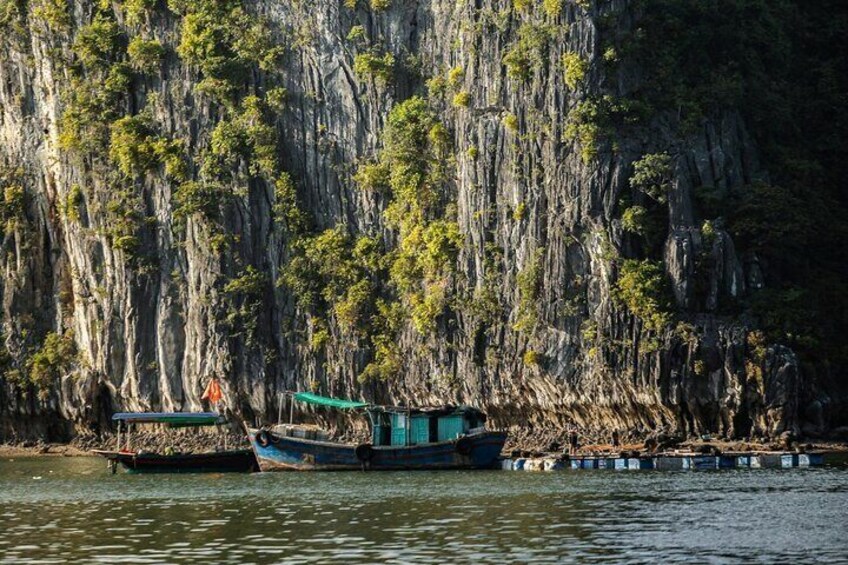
<point>282,453</point>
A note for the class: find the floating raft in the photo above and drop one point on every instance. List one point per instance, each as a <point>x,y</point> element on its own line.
<point>671,462</point>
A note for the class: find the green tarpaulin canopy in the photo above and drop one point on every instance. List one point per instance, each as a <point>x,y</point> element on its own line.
<point>310,398</point>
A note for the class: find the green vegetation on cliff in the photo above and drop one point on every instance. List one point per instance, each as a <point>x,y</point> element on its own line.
<point>642,286</point>
<point>269,185</point>
<point>370,291</point>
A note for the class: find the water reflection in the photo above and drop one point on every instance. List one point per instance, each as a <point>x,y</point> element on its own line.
<point>76,511</point>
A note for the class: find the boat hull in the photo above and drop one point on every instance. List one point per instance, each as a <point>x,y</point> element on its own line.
<point>235,461</point>
<point>283,453</point>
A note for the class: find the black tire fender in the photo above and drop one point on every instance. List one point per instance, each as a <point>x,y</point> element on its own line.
<point>263,438</point>
<point>463,446</point>
<point>364,452</point>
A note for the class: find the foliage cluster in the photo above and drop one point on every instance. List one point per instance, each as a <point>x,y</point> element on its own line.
<point>96,44</point>
<point>357,34</point>
<point>136,149</point>
<point>596,118</point>
<point>371,64</point>
<point>55,13</point>
<point>529,281</point>
<point>588,124</point>
<point>462,99</point>
<point>553,8</point>
<point>52,360</point>
<point>74,203</point>
<point>84,124</point>
<point>415,151</point>
<point>486,302</point>
<point>286,209</point>
<point>533,358</point>
<point>222,40</point>
<point>204,198</point>
<point>246,135</point>
<point>645,212</point>
<point>529,52</point>
<point>11,198</point>
<point>9,13</point>
<point>372,176</point>
<point>335,274</point>
<point>653,175</point>
<point>244,310</point>
<point>575,68</point>
<point>125,220</point>
<point>455,77</point>
<point>643,287</point>
<point>635,220</point>
<point>145,56</point>
<point>369,292</point>
<point>96,88</point>
<point>135,10</point>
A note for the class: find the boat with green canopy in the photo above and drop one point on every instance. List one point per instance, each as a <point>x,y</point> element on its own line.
<point>220,461</point>
<point>441,437</point>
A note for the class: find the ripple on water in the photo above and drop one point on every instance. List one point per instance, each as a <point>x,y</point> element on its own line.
<point>80,513</point>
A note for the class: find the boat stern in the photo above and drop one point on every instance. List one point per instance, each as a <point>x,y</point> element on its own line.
<point>485,448</point>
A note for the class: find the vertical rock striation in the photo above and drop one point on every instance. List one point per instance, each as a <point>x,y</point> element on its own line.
<point>162,278</point>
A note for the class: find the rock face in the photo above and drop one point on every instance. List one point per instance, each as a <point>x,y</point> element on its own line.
<point>143,285</point>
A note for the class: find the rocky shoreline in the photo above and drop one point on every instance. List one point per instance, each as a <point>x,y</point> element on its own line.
<point>521,443</point>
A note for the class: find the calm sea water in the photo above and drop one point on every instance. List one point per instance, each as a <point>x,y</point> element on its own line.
<point>70,509</point>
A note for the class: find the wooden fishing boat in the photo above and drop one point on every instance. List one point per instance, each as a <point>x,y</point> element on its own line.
<point>232,461</point>
<point>223,461</point>
<point>448,437</point>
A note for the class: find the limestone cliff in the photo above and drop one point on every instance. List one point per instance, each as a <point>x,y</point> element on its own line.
<point>406,201</point>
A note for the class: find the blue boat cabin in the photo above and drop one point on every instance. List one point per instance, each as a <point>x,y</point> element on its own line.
<point>398,427</point>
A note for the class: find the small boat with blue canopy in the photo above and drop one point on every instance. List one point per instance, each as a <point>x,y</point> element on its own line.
<point>445,437</point>
<point>221,461</point>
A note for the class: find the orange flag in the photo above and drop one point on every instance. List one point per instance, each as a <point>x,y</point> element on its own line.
<point>212,392</point>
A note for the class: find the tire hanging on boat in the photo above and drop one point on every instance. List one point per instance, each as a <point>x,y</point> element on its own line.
<point>364,452</point>
<point>263,438</point>
<point>463,446</point>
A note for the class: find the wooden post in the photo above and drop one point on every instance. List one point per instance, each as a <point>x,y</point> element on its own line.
<point>291,412</point>
<point>129,436</point>
<point>280,408</point>
<point>118,447</point>
<point>371,420</point>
